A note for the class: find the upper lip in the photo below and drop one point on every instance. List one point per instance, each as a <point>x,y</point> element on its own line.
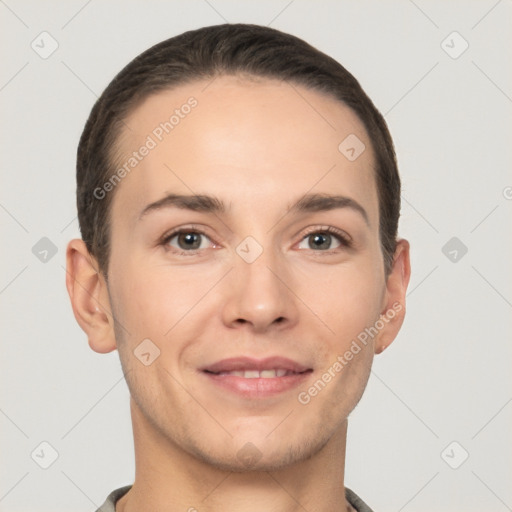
<point>248,363</point>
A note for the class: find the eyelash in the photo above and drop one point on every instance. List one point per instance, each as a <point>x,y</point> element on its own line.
<point>341,236</point>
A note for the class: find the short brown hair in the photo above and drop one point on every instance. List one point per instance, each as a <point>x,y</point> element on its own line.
<point>229,49</point>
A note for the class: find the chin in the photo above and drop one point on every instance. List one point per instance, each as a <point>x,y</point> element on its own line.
<point>260,453</point>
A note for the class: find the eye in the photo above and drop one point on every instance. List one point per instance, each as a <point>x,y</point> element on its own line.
<point>188,240</point>
<point>324,240</point>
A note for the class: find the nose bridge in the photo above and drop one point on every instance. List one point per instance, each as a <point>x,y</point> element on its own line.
<point>258,295</point>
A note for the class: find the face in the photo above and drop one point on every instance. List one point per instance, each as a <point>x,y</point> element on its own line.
<point>276,267</point>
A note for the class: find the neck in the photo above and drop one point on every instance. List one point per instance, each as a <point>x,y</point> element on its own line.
<point>169,479</point>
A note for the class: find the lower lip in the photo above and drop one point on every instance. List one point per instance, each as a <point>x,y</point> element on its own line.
<point>258,388</point>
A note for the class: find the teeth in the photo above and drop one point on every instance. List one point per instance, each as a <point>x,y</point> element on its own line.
<point>255,374</point>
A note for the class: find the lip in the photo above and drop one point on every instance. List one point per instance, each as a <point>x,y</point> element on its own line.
<point>256,388</point>
<point>249,363</point>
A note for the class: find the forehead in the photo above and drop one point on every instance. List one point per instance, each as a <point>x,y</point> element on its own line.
<point>246,139</point>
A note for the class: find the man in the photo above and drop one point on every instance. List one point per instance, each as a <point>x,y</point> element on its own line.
<point>238,199</point>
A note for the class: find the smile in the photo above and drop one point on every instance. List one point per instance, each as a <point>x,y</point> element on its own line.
<point>255,374</point>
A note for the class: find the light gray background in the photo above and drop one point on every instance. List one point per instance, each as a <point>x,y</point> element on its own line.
<point>448,375</point>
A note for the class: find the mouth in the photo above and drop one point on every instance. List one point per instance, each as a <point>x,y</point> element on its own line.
<point>256,379</point>
<point>255,374</point>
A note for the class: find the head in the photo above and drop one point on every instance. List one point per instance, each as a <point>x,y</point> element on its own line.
<point>201,55</point>
<point>222,216</point>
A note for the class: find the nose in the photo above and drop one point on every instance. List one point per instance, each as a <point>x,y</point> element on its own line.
<point>260,297</point>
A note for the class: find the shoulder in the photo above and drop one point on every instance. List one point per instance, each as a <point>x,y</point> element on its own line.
<point>113,498</point>
<point>356,501</point>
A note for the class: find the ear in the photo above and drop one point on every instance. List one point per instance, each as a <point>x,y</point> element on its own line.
<point>88,292</point>
<point>393,311</point>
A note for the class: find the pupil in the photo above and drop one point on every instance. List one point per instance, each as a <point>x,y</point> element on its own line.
<point>321,240</point>
<point>189,240</point>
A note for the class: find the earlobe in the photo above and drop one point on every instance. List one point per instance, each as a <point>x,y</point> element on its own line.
<point>393,313</point>
<point>88,293</point>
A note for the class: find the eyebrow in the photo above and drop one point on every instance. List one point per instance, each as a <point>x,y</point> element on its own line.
<point>326,202</point>
<point>211,204</point>
<point>196,203</point>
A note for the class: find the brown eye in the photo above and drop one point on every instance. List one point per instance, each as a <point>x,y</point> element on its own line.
<point>188,241</point>
<point>320,241</point>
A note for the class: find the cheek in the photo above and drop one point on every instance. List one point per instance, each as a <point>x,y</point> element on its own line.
<point>346,300</point>
<point>155,302</point>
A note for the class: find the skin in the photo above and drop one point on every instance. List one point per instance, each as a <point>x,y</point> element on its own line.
<point>258,146</point>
